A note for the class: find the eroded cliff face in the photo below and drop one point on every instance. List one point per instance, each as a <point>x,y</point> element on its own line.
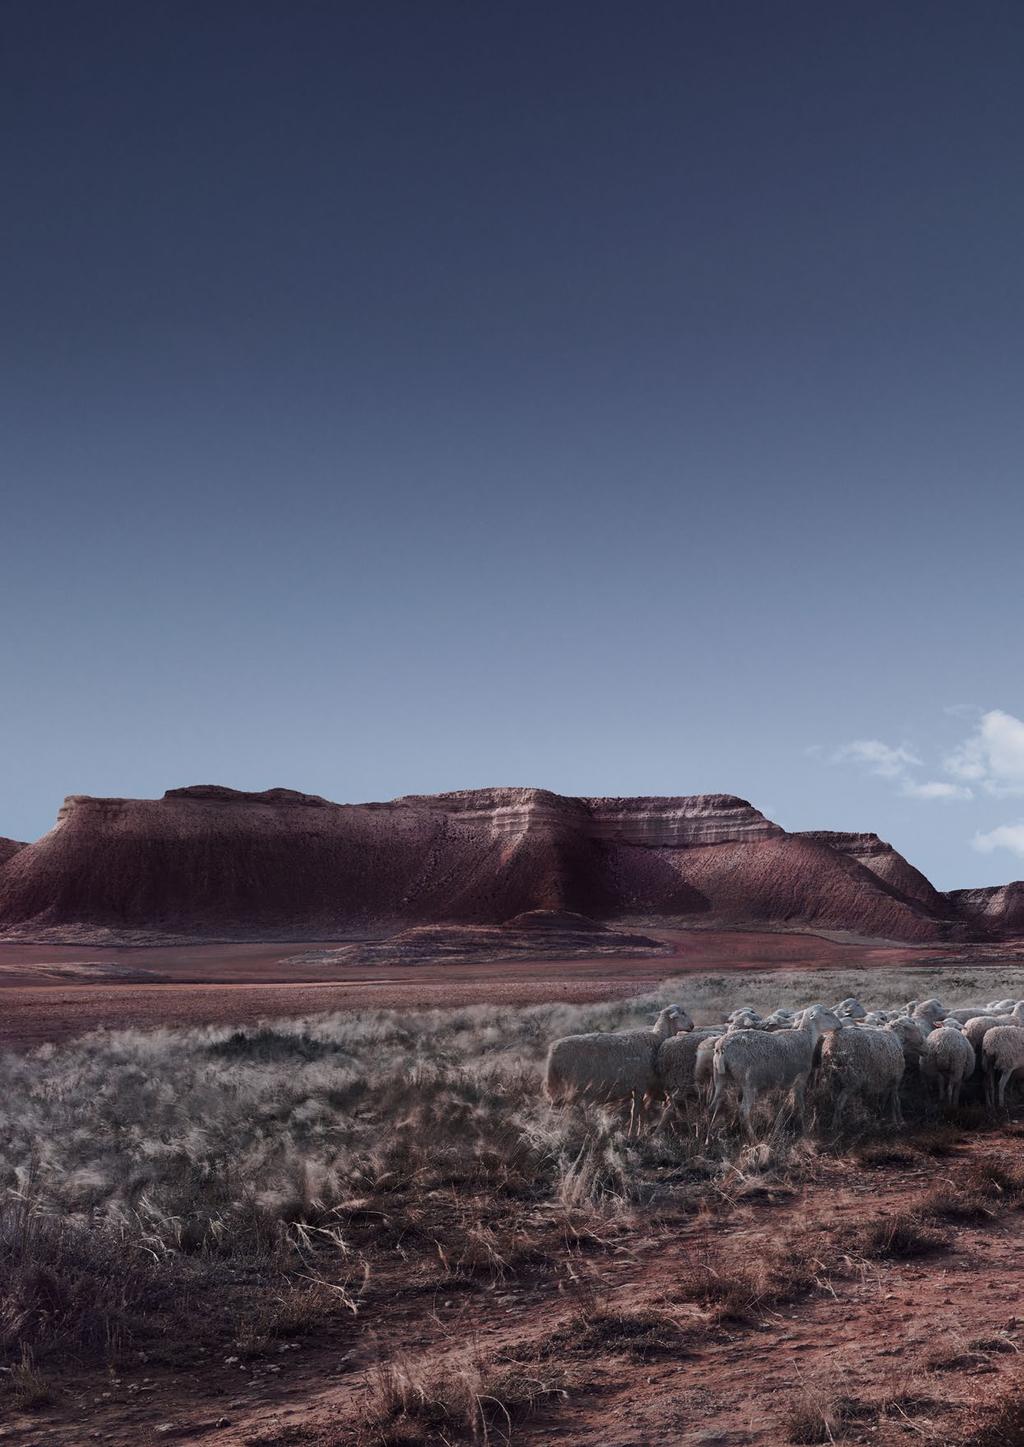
<point>680,823</point>
<point>887,863</point>
<point>8,849</point>
<point>217,863</point>
<point>999,908</point>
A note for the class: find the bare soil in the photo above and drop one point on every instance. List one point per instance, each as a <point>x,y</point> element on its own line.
<point>55,992</point>
<point>914,1349</point>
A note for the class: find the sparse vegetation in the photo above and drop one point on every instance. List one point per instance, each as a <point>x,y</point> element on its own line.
<point>172,1194</point>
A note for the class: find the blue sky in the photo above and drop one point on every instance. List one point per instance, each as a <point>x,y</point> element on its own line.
<point>614,399</point>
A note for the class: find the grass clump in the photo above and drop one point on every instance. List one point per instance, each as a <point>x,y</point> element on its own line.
<point>469,1399</point>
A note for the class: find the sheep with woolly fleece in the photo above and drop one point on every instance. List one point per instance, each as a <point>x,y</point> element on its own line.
<point>850,1009</point>
<point>963,1013</point>
<point>978,1026</point>
<point>947,1058</point>
<point>760,1060</point>
<point>745,1020</point>
<point>911,1038</point>
<point>613,1065</point>
<point>928,1013</point>
<point>780,1019</point>
<point>864,1061</point>
<point>703,1067</point>
<point>1001,1007</point>
<point>1002,1055</point>
<point>677,1060</point>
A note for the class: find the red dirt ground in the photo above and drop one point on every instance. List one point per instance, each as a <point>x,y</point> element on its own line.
<point>54,992</point>
<point>915,1344</point>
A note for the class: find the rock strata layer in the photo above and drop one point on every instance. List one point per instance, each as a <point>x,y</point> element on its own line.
<point>216,863</point>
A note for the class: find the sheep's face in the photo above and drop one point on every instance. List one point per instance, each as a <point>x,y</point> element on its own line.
<point>823,1019</point>
<point>678,1019</point>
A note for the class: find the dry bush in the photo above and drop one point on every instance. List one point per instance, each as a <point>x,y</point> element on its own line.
<point>816,1413</point>
<point>600,1330</point>
<point>470,1398</point>
<point>900,1235</point>
<point>739,1289</point>
<point>140,1171</point>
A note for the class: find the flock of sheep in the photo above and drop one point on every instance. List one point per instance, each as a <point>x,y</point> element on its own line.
<point>858,1054</point>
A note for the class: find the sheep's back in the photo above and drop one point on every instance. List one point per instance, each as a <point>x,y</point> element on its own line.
<point>862,1056</point>
<point>763,1058</point>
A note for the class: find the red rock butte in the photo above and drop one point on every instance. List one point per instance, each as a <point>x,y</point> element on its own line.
<point>209,862</point>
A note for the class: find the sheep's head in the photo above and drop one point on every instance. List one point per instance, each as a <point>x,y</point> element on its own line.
<point>851,1008</point>
<point>931,1010</point>
<point>673,1020</point>
<point>821,1018</point>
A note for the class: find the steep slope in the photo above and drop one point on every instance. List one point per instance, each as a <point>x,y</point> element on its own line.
<point>889,865</point>
<point>211,862</point>
<point>998,910</point>
<point>8,849</point>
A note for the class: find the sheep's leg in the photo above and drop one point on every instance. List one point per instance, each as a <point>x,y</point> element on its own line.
<point>800,1099</point>
<point>746,1107</point>
<point>990,1093</point>
<point>1004,1080</point>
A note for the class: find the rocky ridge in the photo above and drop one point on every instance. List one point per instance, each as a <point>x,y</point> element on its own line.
<point>209,862</point>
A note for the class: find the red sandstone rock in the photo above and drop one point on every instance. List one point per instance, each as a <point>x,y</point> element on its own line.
<point>216,863</point>
<point>8,849</point>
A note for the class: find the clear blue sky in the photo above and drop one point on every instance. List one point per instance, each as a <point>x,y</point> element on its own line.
<point>613,398</point>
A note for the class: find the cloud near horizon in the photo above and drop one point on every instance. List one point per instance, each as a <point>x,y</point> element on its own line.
<point>989,761</point>
<point>895,763</point>
<point>993,756</point>
<point>1007,836</point>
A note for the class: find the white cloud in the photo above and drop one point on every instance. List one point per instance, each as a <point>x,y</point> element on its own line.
<point>935,789</point>
<point>993,756</point>
<point>877,758</point>
<point>1007,836</point>
<point>897,764</point>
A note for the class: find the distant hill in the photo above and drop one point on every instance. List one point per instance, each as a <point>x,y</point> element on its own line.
<point>215,863</point>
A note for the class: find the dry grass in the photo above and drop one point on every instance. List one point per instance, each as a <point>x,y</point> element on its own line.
<point>733,1288</point>
<point>269,1174</point>
<point>468,1398</point>
<point>898,1235</point>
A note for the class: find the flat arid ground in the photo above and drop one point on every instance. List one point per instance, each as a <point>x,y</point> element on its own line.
<point>364,1224</point>
<point>54,992</point>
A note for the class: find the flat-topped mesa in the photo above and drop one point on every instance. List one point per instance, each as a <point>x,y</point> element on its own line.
<point>999,908</point>
<point>220,794</point>
<point>681,822</point>
<point>217,863</point>
<point>885,862</point>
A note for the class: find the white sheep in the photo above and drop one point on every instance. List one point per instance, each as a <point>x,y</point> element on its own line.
<point>759,1060</point>
<point>911,1037</point>
<point>703,1067</point>
<point>746,1020</point>
<point>1002,1054</point>
<point>963,1013</point>
<point>677,1060</point>
<point>947,1057</point>
<point>928,1013</point>
<point>978,1026</point>
<point>611,1065</point>
<point>866,1062</point>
